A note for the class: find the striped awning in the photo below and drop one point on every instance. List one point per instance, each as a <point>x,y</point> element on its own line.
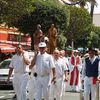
<point>7,48</point>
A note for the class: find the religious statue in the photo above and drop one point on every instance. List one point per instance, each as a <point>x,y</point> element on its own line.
<point>52,38</point>
<point>38,36</point>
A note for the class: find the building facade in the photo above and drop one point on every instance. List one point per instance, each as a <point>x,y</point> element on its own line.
<point>96,19</point>
<point>10,37</point>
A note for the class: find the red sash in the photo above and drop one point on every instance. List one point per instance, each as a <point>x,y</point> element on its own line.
<point>94,80</point>
<point>73,60</point>
<point>76,69</point>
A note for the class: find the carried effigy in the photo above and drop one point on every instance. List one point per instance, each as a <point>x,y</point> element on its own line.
<point>38,37</point>
<point>52,38</point>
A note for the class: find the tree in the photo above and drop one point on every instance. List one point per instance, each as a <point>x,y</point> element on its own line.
<point>92,4</point>
<point>45,15</point>
<point>61,41</point>
<point>12,10</point>
<point>94,38</point>
<point>79,25</point>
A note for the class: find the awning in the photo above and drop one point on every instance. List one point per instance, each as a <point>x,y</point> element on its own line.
<point>7,48</point>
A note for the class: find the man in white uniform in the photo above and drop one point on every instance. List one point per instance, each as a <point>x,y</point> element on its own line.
<point>18,63</point>
<point>44,65</point>
<point>56,89</point>
<point>90,74</point>
<point>62,56</point>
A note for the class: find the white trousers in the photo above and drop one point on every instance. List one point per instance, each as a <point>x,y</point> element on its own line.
<point>89,87</point>
<point>42,88</point>
<point>23,86</point>
<point>17,80</point>
<point>31,88</point>
<point>56,90</point>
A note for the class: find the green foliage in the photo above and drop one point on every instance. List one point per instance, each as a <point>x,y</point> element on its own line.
<point>71,22</point>
<point>94,38</point>
<point>61,41</point>
<point>79,25</point>
<point>45,13</point>
<point>12,10</point>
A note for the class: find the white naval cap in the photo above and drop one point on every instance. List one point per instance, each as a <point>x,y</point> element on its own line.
<point>42,44</point>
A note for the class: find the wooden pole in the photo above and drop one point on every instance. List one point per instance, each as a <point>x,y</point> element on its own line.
<point>97,90</point>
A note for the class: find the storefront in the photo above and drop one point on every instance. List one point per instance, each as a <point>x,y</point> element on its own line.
<point>6,49</point>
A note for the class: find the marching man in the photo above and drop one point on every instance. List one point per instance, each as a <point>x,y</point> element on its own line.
<point>75,66</point>
<point>44,66</point>
<point>19,63</point>
<point>56,89</point>
<point>90,74</point>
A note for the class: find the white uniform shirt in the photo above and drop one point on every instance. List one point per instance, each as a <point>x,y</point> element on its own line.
<point>44,64</point>
<point>60,67</point>
<point>66,62</point>
<point>18,64</point>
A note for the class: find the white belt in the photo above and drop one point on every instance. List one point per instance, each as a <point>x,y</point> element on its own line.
<point>20,72</point>
<point>42,75</point>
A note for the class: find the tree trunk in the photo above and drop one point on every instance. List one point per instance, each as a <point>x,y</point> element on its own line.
<point>92,10</point>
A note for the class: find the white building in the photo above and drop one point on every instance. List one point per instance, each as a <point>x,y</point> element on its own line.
<point>96,19</point>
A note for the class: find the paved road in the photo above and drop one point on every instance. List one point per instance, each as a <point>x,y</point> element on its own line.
<point>8,94</point>
<point>68,95</point>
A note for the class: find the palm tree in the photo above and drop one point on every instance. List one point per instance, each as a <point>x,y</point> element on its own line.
<point>92,5</point>
<point>82,4</point>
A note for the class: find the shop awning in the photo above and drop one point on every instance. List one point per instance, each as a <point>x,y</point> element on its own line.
<point>7,48</point>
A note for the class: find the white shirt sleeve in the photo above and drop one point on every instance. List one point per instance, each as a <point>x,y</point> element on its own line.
<point>80,65</point>
<point>64,65</point>
<point>51,63</point>
<point>83,70</point>
<point>26,55</point>
<point>99,69</point>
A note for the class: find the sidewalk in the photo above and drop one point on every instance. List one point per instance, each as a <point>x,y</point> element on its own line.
<point>71,96</point>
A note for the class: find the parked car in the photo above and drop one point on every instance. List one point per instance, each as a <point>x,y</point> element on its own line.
<point>4,69</point>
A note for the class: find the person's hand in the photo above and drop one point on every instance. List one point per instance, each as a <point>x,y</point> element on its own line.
<point>98,79</point>
<point>66,79</point>
<point>36,52</point>
<point>82,81</point>
<point>75,66</point>
<point>22,51</point>
<point>53,80</point>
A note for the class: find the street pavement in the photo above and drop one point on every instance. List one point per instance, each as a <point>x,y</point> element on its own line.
<point>8,94</point>
<point>68,95</point>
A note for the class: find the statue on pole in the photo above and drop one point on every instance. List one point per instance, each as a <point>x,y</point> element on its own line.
<point>52,38</point>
